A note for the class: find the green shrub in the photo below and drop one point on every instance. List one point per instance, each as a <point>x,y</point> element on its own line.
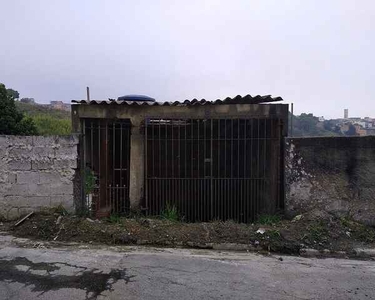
<point>47,125</point>
<point>114,218</point>
<point>13,121</point>
<point>90,180</point>
<point>268,219</point>
<point>170,213</point>
<point>318,231</point>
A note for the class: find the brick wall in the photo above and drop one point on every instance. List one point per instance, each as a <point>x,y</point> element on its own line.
<point>36,172</point>
<point>333,174</point>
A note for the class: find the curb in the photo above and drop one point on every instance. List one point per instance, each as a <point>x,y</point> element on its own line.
<point>308,252</point>
<point>234,247</point>
<point>364,252</point>
<point>305,252</point>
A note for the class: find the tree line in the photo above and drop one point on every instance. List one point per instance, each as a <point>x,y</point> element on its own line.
<point>15,122</point>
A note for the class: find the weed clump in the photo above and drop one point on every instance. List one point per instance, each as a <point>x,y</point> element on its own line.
<point>268,219</point>
<point>170,213</point>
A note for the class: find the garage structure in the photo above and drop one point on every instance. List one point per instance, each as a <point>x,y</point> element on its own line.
<point>210,160</point>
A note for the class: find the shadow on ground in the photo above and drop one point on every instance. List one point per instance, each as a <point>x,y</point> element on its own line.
<point>44,277</point>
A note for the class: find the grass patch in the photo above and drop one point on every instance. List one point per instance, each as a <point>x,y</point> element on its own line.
<point>359,231</point>
<point>114,219</point>
<point>345,221</point>
<point>364,234</point>
<point>268,219</point>
<point>60,210</point>
<point>318,232</point>
<point>170,213</point>
<point>273,234</point>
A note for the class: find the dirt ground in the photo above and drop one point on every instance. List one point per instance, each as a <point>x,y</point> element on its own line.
<point>312,230</point>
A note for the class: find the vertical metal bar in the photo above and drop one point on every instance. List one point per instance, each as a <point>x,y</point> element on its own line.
<point>193,191</point>
<point>121,142</point>
<point>196,197</point>
<point>218,149</point>
<point>186,169</point>
<point>192,147</point>
<point>118,200</point>
<point>230,196</point>
<point>246,206</point>
<point>172,182</point>
<point>92,146</point>
<point>166,158</point>
<point>264,166</point>
<point>252,200</point>
<point>160,171</point>
<point>146,165</point>
<point>153,148</point>
<point>199,174</point>
<point>172,141</point>
<point>99,163</point>
<point>225,148</point>
<point>258,166</point>
<point>198,201</point>
<point>152,184</point>
<point>231,150</point>
<point>211,171</point>
<point>128,137</point>
<point>216,174</point>
<point>179,167</point>
<point>200,187</point>
<point>239,203</point>
<point>92,159</point>
<point>124,197</point>
<point>221,215</point>
<point>106,164</point>
<point>83,171</point>
<point>88,94</point>
<point>225,170</point>
<point>231,168</point>
<point>291,121</point>
<point>251,130</point>
<point>281,166</point>
<point>204,180</point>
<point>166,150</point>
<point>114,154</point>
<point>110,197</point>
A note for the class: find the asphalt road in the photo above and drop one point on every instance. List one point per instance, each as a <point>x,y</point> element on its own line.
<point>30,270</point>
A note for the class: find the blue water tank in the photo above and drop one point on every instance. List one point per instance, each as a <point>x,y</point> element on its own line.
<point>136,98</point>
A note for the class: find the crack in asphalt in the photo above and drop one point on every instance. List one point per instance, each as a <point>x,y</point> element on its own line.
<point>93,281</point>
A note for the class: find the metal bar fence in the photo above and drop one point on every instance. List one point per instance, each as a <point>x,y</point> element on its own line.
<point>213,168</point>
<point>106,166</point>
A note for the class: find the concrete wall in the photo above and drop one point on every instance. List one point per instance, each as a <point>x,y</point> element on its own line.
<point>36,172</point>
<point>335,174</point>
<point>137,114</point>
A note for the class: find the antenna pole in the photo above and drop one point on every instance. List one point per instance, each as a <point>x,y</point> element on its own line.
<point>291,121</point>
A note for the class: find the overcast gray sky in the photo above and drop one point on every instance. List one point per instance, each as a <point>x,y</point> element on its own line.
<point>318,54</point>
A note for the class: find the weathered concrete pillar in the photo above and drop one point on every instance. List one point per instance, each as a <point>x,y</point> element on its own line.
<point>136,189</point>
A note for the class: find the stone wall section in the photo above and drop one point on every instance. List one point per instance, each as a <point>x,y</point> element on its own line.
<point>36,172</point>
<point>332,174</point>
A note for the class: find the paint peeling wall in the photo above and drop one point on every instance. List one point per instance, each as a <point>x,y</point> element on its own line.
<point>36,172</point>
<point>334,174</point>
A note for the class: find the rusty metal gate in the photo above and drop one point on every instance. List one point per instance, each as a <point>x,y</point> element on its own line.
<point>106,161</point>
<point>213,168</point>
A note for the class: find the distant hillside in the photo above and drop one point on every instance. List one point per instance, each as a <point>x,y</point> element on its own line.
<point>307,125</point>
<point>47,120</point>
<point>34,109</point>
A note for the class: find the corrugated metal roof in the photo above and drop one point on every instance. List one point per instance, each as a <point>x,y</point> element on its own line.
<point>248,99</point>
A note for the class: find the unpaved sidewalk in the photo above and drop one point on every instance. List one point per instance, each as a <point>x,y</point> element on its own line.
<point>314,230</point>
